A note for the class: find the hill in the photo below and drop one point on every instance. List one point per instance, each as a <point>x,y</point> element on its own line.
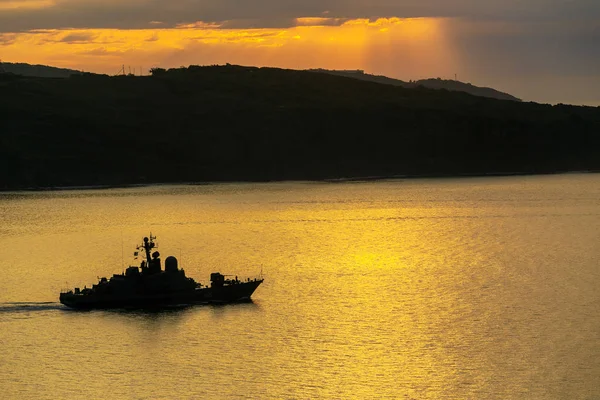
<point>42,71</point>
<point>232,123</point>
<point>428,83</point>
<point>462,87</point>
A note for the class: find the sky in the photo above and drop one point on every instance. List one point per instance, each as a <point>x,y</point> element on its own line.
<point>546,51</point>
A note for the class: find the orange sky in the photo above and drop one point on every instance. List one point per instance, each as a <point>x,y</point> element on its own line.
<point>413,48</point>
<point>540,50</point>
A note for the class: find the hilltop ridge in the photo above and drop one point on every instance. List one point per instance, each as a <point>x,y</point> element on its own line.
<point>431,83</point>
<point>36,70</point>
<point>45,71</point>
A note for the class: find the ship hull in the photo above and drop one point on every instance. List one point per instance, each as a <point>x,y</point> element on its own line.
<point>233,293</point>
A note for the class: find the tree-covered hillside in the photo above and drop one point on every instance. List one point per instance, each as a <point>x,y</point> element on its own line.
<point>242,123</point>
<point>42,71</point>
<point>442,84</point>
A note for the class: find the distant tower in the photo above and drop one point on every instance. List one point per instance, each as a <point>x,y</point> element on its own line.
<point>2,70</point>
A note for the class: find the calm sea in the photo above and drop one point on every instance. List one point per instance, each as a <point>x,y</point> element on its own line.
<point>413,289</point>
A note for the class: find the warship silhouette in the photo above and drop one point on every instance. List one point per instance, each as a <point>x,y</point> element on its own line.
<point>149,286</point>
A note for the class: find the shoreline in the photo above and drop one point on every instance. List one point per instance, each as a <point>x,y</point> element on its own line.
<point>372,178</point>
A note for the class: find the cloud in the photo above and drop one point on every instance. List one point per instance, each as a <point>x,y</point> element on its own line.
<point>153,38</point>
<point>138,14</point>
<point>101,52</point>
<point>320,21</point>
<point>8,39</point>
<point>25,4</point>
<point>199,25</point>
<point>512,49</point>
<point>78,38</point>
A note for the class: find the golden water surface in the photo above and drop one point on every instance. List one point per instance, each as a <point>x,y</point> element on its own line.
<point>453,289</point>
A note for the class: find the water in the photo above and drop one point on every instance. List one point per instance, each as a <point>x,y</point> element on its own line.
<point>455,289</point>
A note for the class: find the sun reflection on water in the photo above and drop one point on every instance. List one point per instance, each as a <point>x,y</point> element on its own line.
<point>417,289</point>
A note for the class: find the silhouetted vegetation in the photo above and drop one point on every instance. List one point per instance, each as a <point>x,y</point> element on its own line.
<point>42,71</point>
<point>442,84</point>
<point>240,123</point>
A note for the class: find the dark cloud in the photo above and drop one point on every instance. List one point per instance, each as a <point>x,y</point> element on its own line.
<point>135,14</point>
<point>563,48</point>
<point>256,23</point>
<point>78,38</point>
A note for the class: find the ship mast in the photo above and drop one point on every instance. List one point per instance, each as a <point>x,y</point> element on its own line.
<point>147,245</point>
<point>153,264</point>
